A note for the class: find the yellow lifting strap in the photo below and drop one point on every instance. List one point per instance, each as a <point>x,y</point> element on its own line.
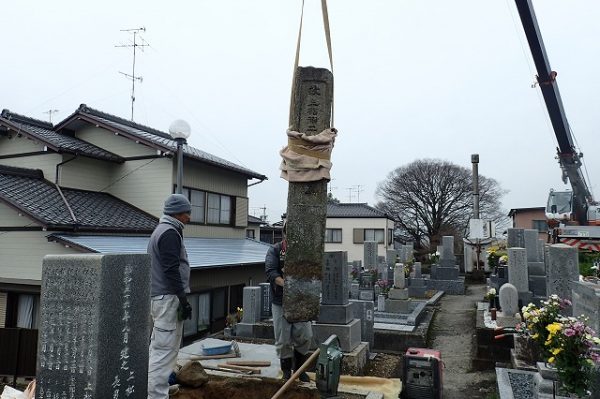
<point>327,39</point>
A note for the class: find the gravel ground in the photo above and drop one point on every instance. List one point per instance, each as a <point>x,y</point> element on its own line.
<point>453,333</point>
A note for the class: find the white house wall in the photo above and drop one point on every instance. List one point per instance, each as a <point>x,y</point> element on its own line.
<point>45,162</point>
<point>356,251</point>
<point>116,144</point>
<point>85,173</point>
<point>144,183</point>
<point>9,217</point>
<point>210,178</point>
<point>22,254</point>
<point>18,145</point>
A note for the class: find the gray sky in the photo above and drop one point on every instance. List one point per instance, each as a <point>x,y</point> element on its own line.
<point>414,79</point>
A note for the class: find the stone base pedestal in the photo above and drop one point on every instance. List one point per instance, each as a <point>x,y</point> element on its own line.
<point>366,295</point>
<point>348,334</point>
<point>536,269</point>
<point>397,305</point>
<point>525,297</point>
<point>451,287</point>
<point>353,363</point>
<point>248,330</point>
<point>446,273</point>
<point>336,314</point>
<point>398,293</point>
<point>537,285</point>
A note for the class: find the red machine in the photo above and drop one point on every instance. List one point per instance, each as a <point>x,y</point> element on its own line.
<point>422,376</point>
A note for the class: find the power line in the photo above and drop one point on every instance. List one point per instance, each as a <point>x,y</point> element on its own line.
<point>133,77</point>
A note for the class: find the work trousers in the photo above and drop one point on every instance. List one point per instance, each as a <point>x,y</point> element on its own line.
<point>164,344</point>
<point>290,336</point>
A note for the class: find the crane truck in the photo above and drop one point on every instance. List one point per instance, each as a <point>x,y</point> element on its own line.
<point>573,216</point>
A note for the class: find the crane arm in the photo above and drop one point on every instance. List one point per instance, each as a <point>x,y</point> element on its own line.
<point>568,156</point>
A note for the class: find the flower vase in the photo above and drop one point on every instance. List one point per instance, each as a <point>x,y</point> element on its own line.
<point>497,303</point>
<point>492,303</point>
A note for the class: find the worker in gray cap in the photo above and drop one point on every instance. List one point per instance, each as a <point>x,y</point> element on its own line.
<point>170,283</point>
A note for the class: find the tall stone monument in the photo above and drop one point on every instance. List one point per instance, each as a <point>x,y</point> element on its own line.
<point>94,327</point>
<point>370,255</point>
<point>336,315</point>
<point>398,301</point>
<point>519,275</point>
<point>310,113</point>
<point>253,309</point>
<point>445,275</point>
<point>516,238</point>
<point>562,270</point>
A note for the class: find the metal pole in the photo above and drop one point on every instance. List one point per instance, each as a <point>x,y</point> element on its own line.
<point>180,143</point>
<point>475,162</point>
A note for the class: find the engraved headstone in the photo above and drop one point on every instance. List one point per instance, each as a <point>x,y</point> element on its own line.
<point>94,326</point>
<point>418,270</point>
<point>586,302</point>
<point>541,250</point>
<point>381,303</point>
<point>447,258</point>
<point>370,255</point>
<point>366,280</point>
<point>517,264</point>
<point>509,299</point>
<point>516,238</point>
<point>382,270</point>
<point>562,269</point>
<point>335,283</point>
<point>364,310</point>
<point>399,276</point>
<point>531,245</point>
<point>354,289</point>
<point>265,308</point>
<point>252,305</point>
<point>391,255</point>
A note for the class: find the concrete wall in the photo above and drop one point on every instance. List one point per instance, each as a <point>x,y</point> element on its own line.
<point>22,253</point>
<point>356,251</point>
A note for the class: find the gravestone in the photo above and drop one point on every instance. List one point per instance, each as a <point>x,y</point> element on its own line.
<point>94,326</point>
<point>541,250</point>
<point>516,238</point>
<point>447,258</point>
<point>399,276</point>
<point>336,315</point>
<point>382,271</point>
<point>366,291</point>
<point>265,308</point>
<point>391,255</point>
<point>517,264</point>
<point>252,305</point>
<point>381,303</point>
<point>364,310</point>
<point>334,299</point>
<point>562,269</point>
<point>586,301</point>
<point>418,270</point>
<point>354,290</point>
<point>531,240</point>
<point>509,299</point>
<point>370,255</point>
<point>310,113</point>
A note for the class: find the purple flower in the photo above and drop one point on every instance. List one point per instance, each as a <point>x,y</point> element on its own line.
<point>569,332</point>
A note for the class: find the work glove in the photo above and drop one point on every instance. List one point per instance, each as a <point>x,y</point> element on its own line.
<point>184,311</point>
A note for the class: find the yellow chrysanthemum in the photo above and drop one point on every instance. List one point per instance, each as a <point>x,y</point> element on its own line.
<point>556,351</point>
<point>551,360</point>
<point>553,328</point>
<point>535,336</point>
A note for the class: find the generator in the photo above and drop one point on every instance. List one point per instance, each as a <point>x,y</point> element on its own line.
<point>422,375</point>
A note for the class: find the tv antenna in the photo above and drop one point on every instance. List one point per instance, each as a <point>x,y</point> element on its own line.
<point>50,112</point>
<point>358,189</point>
<point>350,189</point>
<point>133,77</point>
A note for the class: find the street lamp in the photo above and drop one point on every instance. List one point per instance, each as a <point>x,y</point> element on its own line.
<point>180,130</point>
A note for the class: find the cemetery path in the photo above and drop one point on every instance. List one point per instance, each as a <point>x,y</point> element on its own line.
<point>453,334</point>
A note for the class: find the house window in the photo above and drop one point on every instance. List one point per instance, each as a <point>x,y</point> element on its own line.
<point>198,200</point>
<point>362,235</point>
<point>540,225</point>
<point>333,235</point>
<point>390,236</point>
<point>250,233</point>
<point>200,321</point>
<point>219,209</point>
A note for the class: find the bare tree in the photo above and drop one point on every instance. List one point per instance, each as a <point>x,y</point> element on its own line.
<point>429,198</point>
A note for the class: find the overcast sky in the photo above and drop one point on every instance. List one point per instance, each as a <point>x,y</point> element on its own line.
<point>414,79</point>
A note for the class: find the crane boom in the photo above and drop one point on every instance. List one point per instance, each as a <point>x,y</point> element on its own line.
<point>568,156</point>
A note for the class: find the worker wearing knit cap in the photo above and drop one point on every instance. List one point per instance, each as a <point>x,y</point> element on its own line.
<point>170,271</point>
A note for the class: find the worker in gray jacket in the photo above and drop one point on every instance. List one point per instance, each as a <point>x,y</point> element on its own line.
<point>292,340</point>
<point>170,275</point>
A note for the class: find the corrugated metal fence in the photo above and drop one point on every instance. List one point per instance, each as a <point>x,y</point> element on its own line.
<point>18,352</point>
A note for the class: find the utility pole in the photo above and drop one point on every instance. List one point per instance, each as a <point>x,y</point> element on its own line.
<point>50,112</point>
<point>310,113</point>
<point>133,77</point>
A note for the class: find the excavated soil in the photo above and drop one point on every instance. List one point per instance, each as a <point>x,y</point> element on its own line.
<point>245,388</point>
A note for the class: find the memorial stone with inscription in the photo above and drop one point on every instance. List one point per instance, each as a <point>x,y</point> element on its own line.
<point>516,238</point>
<point>370,255</point>
<point>266,311</point>
<point>562,269</point>
<point>94,327</point>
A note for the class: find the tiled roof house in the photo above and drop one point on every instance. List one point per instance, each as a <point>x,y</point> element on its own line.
<point>95,183</point>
